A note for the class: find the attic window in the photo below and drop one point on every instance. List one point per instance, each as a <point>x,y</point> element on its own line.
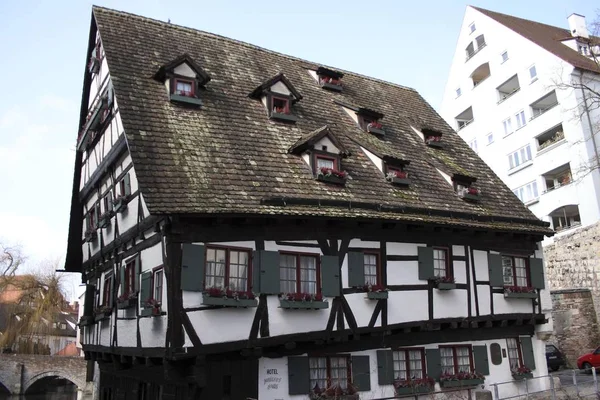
<point>369,122</point>
<point>277,95</point>
<point>183,78</point>
<point>326,167</point>
<point>280,105</point>
<point>465,189</point>
<point>330,79</point>
<point>396,175</point>
<point>183,87</point>
<point>433,138</point>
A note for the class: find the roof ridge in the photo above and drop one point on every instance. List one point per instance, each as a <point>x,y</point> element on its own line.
<point>484,10</point>
<point>250,45</point>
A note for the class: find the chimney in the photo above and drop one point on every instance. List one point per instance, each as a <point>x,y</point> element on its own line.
<point>577,26</point>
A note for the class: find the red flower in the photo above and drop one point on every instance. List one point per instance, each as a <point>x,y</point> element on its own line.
<point>445,279</point>
<point>374,124</point>
<point>519,289</point>
<point>473,191</point>
<point>433,139</point>
<point>419,382</point>
<point>330,171</point>
<point>374,288</point>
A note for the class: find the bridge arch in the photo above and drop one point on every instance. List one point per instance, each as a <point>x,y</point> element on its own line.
<point>53,374</point>
<point>4,391</point>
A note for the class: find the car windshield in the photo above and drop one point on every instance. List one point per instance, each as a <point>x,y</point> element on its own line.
<point>550,349</point>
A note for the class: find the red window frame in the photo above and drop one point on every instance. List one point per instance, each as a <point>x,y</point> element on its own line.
<point>455,356</point>
<point>328,363</point>
<point>286,108</point>
<point>298,270</point>
<point>129,284</point>
<point>446,251</point>
<point>378,264</point>
<point>519,351</point>
<point>326,157</point>
<point>406,351</point>
<point>228,250</point>
<point>153,287</point>
<point>183,80</point>
<point>106,290</point>
<point>514,269</point>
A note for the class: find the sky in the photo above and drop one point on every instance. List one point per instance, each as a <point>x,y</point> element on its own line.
<point>43,48</point>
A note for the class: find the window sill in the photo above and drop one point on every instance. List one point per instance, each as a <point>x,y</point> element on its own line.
<point>520,295</point>
<point>186,99</point>
<point>461,383</point>
<point>228,302</point>
<point>377,295</point>
<point>120,204</point>
<point>400,181</point>
<point>102,316</point>
<point>520,167</point>
<point>550,147</point>
<point>445,286</point>
<point>303,305</point>
<point>283,117</point>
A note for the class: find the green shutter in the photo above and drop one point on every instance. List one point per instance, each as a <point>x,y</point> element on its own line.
<point>361,373</point>
<point>97,212</point>
<point>495,270</point>
<point>122,283</point>
<point>146,290</point>
<point>268,270</point>
<point>298,375</point>
<point>480,357</point>
<point>127,180</point>
<point>434,363</point>
<point>426,263</point>
<point>330,276</point>
<point>385,367</point>
<point>356,269</point>
<point>527,352</point>
<point>136,281</point>
<point>536,272</point>
<point>192,267</point>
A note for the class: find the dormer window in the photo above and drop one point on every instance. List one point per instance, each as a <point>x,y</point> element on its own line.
<point>278,95</point>
<point>325,161</point>
<point>280,105</point>
<point>396,175</point>
<point>433,139</point>
<point>182,78</point>
<point>465,189</point>
<point>369,121</point>
<point>330,79</point>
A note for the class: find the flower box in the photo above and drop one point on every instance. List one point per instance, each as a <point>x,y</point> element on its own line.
<point>331,86</point>
<point>151,312</point>
<point>434,141</point>
<point>120,203</point>
<point>104,220</point>
<point>377,295</point>
<point>186,99</point>
<point>446,286</point>
<point>461,383</point>
<point>283,117</point>
<point>375,130</point>
<point>86,320</point>
<point>335,397</point>
<point>402,391</point>
<point>471,196</point>
<point>303,305</point>
<point>126,303</point>
<point>517,295</point>
<point>90,235</point>
<point>331,179</point>
<point>228,301</point>
<point>400,181</point>
<point>522,376</point>
<point>102,316</point>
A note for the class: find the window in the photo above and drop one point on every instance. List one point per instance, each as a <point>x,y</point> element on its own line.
<point>458,92</point>
<point>157,284</point>
<point>519,157</point>
<point>507,125</point>
<point>520,117</point>
<point>440,262</point>
<point>464,118</point>
<point>409,364</point>
<point>227,267</point>
<point>515,355</point>
<point>92,218</point>
<point>527,193</point>
<point>129,283</point>
<point>298,273</point>
<point>456,359</point>
<point>281,105</point>
<point>331,371</point>
<point>63,326</point>
<point>480,40</point>
<point>125,186</point>
<point>106,300</point>
<point>473,145</point>
<point>472,27</point>
<point>505,56</point>
<point>508,88</point>
<point>490,138</point>
<point>107,202</point>
<point>532,73</point>
<point>372,269</point>
<point>515,271</point>
<point>184,88</point>
<point>326,162</point>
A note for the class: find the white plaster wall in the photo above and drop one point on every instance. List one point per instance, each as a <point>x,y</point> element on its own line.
<point>184,70</point>
<point>351,113</point>
<point>127,331</point>
<point>209,324</point>
<point>331,148</point>
<point>450,304</point>
<point>376,160</point>
<point>407,306</point>
<point>153,331</point>
<point>279,87</point>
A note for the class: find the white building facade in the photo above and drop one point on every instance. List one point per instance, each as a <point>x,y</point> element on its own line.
<point>510,97</point>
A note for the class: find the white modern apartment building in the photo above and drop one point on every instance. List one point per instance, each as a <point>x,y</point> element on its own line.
<point>506,97</point>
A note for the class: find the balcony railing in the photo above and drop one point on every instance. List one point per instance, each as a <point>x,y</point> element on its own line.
<point>508,95</point>
<point>479,48</point>
<point>540,111</point>
<point>462,124</point>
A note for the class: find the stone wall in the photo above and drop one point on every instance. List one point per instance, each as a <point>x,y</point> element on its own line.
<point>575,323</point>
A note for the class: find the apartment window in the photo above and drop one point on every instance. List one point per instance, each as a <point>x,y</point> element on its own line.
<point>440,262</point>
<point>409,364</point>
<point>298,273</point>
<point>458,92</point>
<point>519,157</point>
<point>527,193</point>
<point>227,268</point>
<point>328,372</point>
<point>157,284</point>
<point>472,27</point>
<point>107,290</point>
<point>515,354</point>
<point>505,56</point>
<point>520,117</point>
<point>129,283</point>
<point>507,125</point>
<point>456,359</point>
<point>532,73</point>
<point>515,271</point>
<point>372,276</point>
<point>473,145</point>
<point>490,138</point>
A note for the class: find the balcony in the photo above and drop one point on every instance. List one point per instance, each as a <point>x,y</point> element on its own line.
<point>480,74</point>
<point>464,118</point>
<point>566,217</point>
<point>558,177</point>
<point>471,50</point>
<point>508,88</point>
<point>543,104</point>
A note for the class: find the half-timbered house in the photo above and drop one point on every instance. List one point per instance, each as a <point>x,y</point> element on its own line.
<point>250,224</point>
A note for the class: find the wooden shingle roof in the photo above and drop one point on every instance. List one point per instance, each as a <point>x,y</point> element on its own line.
<point>229,158</point>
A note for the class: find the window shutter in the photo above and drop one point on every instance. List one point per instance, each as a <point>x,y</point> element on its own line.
<point>90,295</point>
<point>330,276</point>
<point>480,358</point>
<point>495,270</point>
<point>385,367</point>
<point>268,272</point>
<point>298,375</point>
<point>110,201</point>
<point>434,363</point>
<point>527,351</point>
<point>146,289</point>
<point>426,263</point>
<point>356,269</point>
<point>97,214</point>
<point>136,280</point>
<point>536,273</point>
<point>192,267</point>
<point>127,181</point>
<point>122,283</point>
<point>111,282</point>
<point>361,373</point>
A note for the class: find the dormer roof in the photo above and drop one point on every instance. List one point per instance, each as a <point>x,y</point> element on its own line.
<point>166,69</point>
<point>460,178</point>
<point>381,149</point>
<point>308,141</point>
<point>263,88</point>
<point>323,71</point>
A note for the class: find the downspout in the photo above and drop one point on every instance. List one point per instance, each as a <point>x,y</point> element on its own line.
<point>589,119</point>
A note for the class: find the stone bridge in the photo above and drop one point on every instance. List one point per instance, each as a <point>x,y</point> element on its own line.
<point>19,371</point>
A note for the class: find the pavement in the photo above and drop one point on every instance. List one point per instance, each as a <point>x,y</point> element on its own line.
<point>566,376</point>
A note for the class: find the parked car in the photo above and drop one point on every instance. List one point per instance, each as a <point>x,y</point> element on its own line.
<point>589,360</point>
<point>554,358</point>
